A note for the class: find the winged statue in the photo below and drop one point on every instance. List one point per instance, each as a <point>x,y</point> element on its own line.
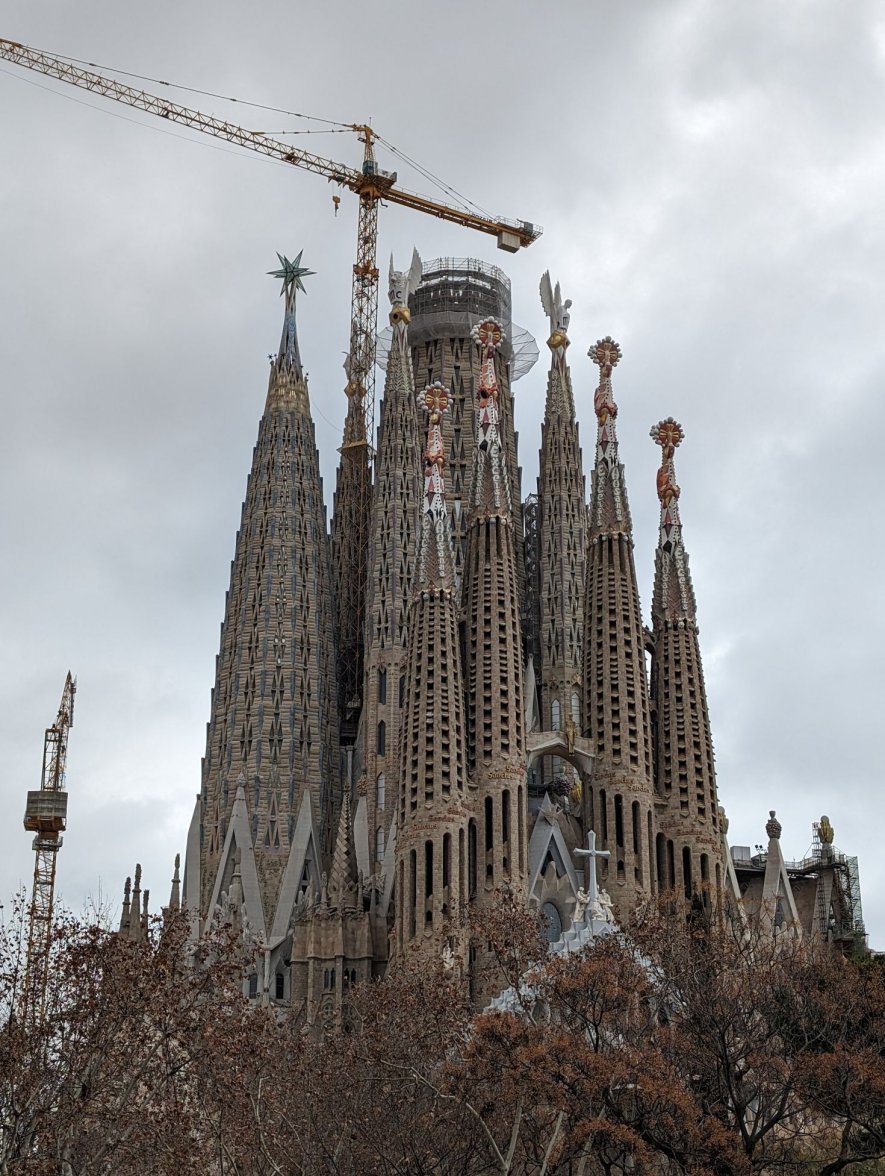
<point>554,307</point>
<point>401,283</point>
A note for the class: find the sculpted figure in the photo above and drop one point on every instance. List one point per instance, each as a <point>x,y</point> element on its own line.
<point>556,310</point>
<point>582,901</point>
<point>605,902</point>
<point>401,283</point>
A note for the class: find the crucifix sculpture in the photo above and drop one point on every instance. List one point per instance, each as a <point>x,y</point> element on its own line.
<point>592,853</point>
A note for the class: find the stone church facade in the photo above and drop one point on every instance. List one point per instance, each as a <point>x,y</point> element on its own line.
<point>512,699</point>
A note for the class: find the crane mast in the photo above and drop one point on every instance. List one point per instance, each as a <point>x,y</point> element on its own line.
<point>371,185</point>
<point>46,817</point>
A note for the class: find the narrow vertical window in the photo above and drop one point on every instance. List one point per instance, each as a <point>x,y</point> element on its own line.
<point>381,746</point>
<point>382,686</point>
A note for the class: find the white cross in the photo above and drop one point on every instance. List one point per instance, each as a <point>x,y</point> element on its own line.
<point>592,853</point>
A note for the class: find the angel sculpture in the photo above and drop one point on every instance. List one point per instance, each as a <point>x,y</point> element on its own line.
<point>556,310</point>
<point>400,284</point>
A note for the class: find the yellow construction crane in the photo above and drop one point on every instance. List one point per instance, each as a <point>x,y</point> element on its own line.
<point>372,185</point>
<point>46,817</point>
<point>369,182</point>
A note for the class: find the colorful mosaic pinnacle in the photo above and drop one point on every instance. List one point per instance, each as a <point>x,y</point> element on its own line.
<point>435,399</point>
<point>606,354</point>
<point>669,435</point>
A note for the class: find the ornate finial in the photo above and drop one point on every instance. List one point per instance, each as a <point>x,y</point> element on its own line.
<point>138,876</point>
<point>773,826</point>
<point>489,334</point>
<point>291,273</point>
<point>435,399</point>
<point>557,311</point>
<point>606,354</point>
<point>668,434</point>
<point>723,820</point>
<point>825,831</point>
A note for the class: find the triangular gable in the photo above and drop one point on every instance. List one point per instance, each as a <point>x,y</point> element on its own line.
<point>387,871</point>
<point>547,836</point>
<point>732,886</point>
<point>304,853</point>
<point>777,892</point>
<point>239,837</point>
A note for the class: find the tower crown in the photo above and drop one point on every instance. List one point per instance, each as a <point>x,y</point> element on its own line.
<point>610,511</point>
<point>673,596</point>
<point>491,487</point>
<point>288,385</point>
<point>436,556</point>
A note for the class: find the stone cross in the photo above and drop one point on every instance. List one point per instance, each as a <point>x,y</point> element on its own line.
<point>592,853</point>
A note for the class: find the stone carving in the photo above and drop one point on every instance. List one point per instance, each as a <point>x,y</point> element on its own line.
<point>773,826</point>
<point>601,909</point>
<point>582,902</point>
<point>556,310</point>
<point>401,283</point>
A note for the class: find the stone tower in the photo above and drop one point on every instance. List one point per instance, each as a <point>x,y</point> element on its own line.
<point>689,840</point>
<point>561,536</point>
<point>350,544</point>
<point>615,682</point>
<point>493,650</point>
<point>270,777</point>
<point>395,514</point>
<point>453,297</point>
<point>431,850</point>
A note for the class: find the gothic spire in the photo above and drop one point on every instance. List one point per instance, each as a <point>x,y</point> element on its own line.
<point>273,711</point>
<point>674,595</point>
<point>287,380</point>
<point>617,718</point>
<point>493,641</point>
<point>561,533</point>
<point>436,556</point>
<point>609,509</point>
<point>343,873</point>
<point>395,514</point>
<point>432,815</point>
<point>685,772</point>
<point>175,895</point>
<point>490,489</point>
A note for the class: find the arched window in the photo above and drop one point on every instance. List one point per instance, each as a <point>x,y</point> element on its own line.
<point>576,710</point>
<point>553,920</point>
<point>382,686</point>
<point>379,844</point>
<point>280,986</point>
<point>555,714</point>
<point>381,790</point>
<point>381,746</point>
<point>253,985</point>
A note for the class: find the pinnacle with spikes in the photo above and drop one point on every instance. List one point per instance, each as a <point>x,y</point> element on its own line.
<point>287,365</point>
<point>343,873</point>
<point>436,557</point>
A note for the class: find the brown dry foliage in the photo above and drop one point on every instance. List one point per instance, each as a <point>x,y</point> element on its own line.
<point>673,1048</point>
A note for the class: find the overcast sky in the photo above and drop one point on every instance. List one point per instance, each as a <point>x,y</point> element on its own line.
<point>709,177</point>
